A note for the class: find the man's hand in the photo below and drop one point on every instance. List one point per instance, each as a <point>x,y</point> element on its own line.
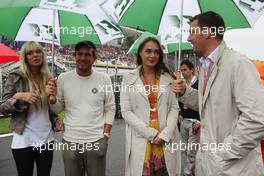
<point>29,97</point>
<point>59,126</point>
<point>107,131</point>
<point>178,86</point>
<point>51,91</point>
<point>196,127</point>
<point>107,128</point>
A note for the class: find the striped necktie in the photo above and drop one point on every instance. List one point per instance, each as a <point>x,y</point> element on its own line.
<point>206,74</point>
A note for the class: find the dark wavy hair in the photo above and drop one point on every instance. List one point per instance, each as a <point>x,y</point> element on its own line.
<point>188,63</point>
<point>160,67</point>
<point>86,44</point>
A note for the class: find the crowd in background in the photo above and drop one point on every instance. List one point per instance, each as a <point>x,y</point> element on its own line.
<point>105,52</point>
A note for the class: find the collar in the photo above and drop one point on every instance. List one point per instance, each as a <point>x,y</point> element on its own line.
<point>194,78</point>
<point>213,56</point>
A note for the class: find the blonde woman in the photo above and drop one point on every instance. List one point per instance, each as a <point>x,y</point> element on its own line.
<point>32,121</point>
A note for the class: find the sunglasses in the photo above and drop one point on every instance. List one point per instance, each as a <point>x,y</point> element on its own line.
<point>31,52</point>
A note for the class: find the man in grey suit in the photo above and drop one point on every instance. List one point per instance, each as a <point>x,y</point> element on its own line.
<point>230,101</point>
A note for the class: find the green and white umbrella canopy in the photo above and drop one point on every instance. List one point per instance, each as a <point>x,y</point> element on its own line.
<point>172,47</point>
<point>167,48</point>
<point>162,17</point>
<point>77,6</point>
<point>71,21</point>
<point>134,47</point>
<point>19,3</point>
<point>90,7</point>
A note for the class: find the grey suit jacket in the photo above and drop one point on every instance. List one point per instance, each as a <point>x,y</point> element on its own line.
<point>232,117</point>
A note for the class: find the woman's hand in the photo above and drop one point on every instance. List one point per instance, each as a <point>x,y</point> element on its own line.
<point>157,140</point>
<point>29,97</point>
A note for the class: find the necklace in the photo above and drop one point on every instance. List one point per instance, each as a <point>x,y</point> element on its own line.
<point>152,95</point>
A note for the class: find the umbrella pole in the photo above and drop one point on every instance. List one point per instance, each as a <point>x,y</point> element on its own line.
<point>176,61</point>
<point>53,40</point>
<point>107,65</point>
<point>166,59</point>
<point>52,98</point>
<point>116,70</point>
<point>178,74</point>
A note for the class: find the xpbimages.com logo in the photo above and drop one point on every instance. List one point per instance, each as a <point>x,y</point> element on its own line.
<point>145,89</point>
<point>80,31</point>
<point>103,27</point>
<point>212,147</point>
<point>61,146</point>
<point>174,32</point>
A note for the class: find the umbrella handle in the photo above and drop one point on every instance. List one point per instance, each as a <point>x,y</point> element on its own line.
<point>178,76</point>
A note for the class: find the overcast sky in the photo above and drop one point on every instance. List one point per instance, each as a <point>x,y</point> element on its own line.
<point>248,41</point>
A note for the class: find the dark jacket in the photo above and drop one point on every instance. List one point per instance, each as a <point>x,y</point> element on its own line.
<point>189,113</point>
<point>18,109</point>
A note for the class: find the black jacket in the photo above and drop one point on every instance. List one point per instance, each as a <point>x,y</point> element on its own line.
<point>189,113</point>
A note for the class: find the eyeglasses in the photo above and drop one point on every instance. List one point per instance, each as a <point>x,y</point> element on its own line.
<point>31,52</point>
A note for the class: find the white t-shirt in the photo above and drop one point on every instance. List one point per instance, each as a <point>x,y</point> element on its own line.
<point>88,103</point>
<point>37,130</point>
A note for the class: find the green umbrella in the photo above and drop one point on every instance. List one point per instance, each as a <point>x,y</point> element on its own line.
<point>168,48</point>
<point>173,47</point>
<point>77,6</point>
<point>19,3</point>
<point>38,24</point>
<point>168,17</point>
<point>161,16</point>
<point>56,21</point>
<point>134,47</point>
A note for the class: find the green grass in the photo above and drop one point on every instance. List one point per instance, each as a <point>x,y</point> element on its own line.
<point>5,121</point>
<point>4,125</point>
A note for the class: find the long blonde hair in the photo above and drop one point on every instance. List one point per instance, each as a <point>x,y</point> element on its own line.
<point>44,72</point>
